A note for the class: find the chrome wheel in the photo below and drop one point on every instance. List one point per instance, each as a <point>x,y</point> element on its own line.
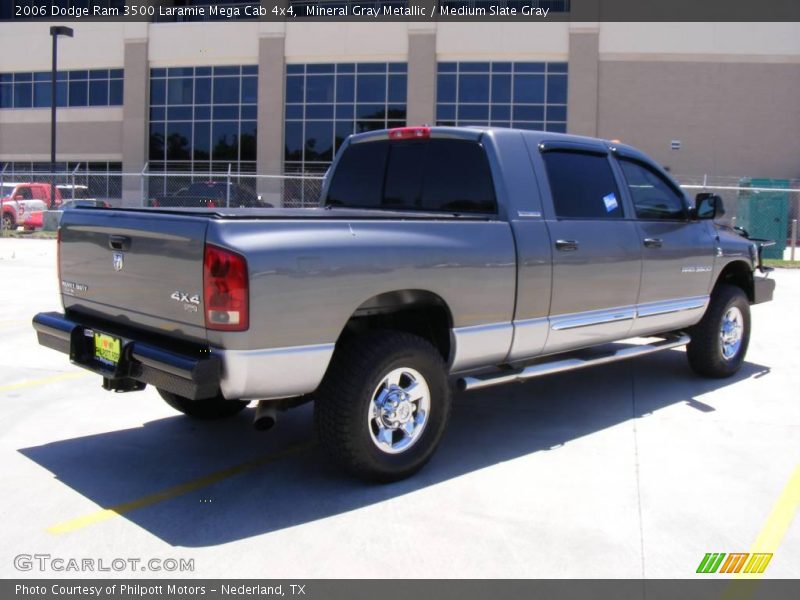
<point>730,333</point>
<point>399,410</point>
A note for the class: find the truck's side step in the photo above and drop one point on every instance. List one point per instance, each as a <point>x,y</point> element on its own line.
<point>561,363</point>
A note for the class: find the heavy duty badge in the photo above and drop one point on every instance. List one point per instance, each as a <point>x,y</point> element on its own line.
<point>118,261</point>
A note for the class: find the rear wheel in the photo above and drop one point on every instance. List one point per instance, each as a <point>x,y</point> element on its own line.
<point>719,341</point>
<point>207,409</point>
<point>383,405</point>
<point>8,222</point>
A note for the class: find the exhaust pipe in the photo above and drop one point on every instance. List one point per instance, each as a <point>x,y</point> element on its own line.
<point>266,415</point>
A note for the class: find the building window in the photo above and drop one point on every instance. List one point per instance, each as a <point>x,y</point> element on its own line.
<point>203,119</point>
<point>525,95</point>
<point>94,87</point>
<point>325,103</point>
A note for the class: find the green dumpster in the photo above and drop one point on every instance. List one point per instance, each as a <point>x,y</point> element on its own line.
<point>764,213</point>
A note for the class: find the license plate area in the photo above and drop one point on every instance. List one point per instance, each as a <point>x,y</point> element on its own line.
<point>107,349</point>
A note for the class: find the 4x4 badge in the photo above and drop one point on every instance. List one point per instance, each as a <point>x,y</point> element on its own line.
<point>118,261</point>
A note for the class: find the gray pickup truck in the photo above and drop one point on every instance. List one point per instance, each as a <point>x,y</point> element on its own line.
<point>439,258</point>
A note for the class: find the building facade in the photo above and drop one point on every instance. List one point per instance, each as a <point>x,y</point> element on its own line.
<point>275,98</point>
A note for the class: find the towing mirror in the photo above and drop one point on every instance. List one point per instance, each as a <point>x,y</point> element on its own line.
<point>708,206</point>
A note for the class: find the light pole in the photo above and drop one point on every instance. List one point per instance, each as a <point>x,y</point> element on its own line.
<point>55,31</point>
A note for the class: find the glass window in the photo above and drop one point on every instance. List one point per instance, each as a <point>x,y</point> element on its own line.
<point>158,91</point>
<point>358,179</point>
<point>473,88</point>
<point>294,89</point>
<point>457,178</point>
<point>371,88</point>
<point>23,95</point>
<point>179,91</point>
<point>403,184</point>
<point>42,94</point>
<point>485,94</point>
<point>115,92</point>
<point>319,141</point>
<point>179,141</point>
<point>226,90</point>
<point>434,175</point>
<point>446,88</point>
<point>202,90</point>
<point>529,88</point>
<point>6,95</point>
<point>319,88</point>
<point>98,93</point>
<point>582,186</point>
<point>326,102</point>
<point>557,89</point>
<point>654,198</point>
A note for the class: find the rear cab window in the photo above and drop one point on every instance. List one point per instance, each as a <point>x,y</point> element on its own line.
<point>433,175</point>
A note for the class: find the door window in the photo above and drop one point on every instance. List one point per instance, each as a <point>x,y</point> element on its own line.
<point>582,186</point>
<point>654,198</point>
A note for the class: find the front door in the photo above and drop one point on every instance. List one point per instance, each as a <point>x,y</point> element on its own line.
<point>678,253</point>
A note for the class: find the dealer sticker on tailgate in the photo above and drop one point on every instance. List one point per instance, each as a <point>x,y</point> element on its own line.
<point>106,348</point>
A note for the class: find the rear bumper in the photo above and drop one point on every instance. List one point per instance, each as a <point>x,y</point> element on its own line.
<point>763,289</point>
<point>195,377</point>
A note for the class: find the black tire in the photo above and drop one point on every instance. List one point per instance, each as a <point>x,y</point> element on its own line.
<point>705,351</point>
<point>206,410</point>
<point>9,224</point>
<point>344,424</point>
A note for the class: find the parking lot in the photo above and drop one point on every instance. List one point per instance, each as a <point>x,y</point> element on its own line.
<point>637,469</point>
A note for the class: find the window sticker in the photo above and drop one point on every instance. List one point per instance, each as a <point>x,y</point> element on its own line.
<point>611,202</point>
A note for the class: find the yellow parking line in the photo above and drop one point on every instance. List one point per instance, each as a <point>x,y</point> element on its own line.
<point>768,541</point>
<point>777,523</point>
<point>173,492</point>
<point>10,387</point>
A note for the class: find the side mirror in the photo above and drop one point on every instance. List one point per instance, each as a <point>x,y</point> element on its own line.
<point>708,206</point>
<point>19,197</point>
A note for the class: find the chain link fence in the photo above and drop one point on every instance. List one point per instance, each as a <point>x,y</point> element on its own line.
<point>766,208</point>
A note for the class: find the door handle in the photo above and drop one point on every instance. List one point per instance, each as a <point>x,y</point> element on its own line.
<point>653,242</point>
<point>119,242</point>
<point>566,245</point>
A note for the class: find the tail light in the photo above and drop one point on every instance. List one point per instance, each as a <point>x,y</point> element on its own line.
<point>409,133</point>
<point>211,204</point>
<point>154,202</point>
<point>225,290</point>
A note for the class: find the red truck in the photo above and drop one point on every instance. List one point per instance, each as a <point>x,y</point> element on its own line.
<point>23,202</point>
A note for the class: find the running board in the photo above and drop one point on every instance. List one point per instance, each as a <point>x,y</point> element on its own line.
<point>476,382</point>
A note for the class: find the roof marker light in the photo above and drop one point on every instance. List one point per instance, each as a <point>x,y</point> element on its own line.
<point>409,133</point>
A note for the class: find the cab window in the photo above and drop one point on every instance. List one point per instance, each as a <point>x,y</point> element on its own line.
<point>582,185</point>
<point>654,198</point>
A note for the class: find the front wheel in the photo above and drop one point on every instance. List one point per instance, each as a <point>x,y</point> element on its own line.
<point>383,406</point>
<point>207,409</point>
<point>719,341</point>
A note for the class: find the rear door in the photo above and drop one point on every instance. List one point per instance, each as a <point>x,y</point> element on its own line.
<point>596,248</point>
<point>677,253</point>
<point>144,268</point>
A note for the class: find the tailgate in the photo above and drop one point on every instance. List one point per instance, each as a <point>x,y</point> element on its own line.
<point>135,269</point>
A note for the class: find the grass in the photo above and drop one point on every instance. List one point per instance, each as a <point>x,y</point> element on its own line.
<point>782,264</point>
<point>29,235</point>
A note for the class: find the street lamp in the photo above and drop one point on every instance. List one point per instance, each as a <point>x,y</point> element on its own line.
<point>55,31</point>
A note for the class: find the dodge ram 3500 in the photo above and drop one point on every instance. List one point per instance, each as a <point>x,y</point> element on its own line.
<point>439,258</point>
